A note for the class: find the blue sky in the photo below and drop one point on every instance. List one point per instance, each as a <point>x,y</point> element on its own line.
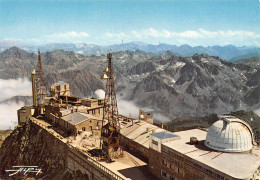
<point>193,22</point>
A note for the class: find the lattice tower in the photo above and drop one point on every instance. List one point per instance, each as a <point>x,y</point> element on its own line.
<point>110,130</point>
<point>40,84</point>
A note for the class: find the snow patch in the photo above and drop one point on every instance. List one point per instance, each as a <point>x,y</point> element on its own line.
<point>80,52</point>
<point>204,60</point>
<point>179,64</point>
<point>243,76</point>
<point>161,67</point>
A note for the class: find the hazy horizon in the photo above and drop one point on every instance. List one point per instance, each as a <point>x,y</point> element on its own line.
<point>12,43</point>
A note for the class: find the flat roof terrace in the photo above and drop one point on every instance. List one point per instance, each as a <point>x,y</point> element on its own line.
<point>238,165</point>
<point>127,167</point>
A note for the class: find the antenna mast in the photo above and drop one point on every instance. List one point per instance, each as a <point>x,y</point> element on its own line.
<point>110,131</point>
<point>40,84</point>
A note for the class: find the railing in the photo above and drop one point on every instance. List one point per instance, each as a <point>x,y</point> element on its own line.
<point>124,118</point>
<point>96,165</point>
<point>87,158</point>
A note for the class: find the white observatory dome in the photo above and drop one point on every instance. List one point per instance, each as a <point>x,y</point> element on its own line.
<point>230,134</point>
<point>99,93</point>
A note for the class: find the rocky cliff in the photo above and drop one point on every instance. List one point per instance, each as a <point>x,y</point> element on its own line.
<point>32,146</point>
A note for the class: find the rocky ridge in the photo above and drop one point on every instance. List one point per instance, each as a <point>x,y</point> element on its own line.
<point>172,85</point>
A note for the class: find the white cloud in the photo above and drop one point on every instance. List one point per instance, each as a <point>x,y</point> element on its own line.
<point>14,87</point>
<point>189,34</point>
<point>80,52</point>
<point>257,111</point>
<point>136,34</point>
<point>228,34</point>
<point>71,36</point>
<point>8,89</point>
<point>117,35</point>
<point>154,33</point>
<point>196,37</point>
<point>8,114</point>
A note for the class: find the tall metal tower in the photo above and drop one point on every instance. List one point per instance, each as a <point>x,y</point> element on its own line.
<point>110,131</point>
<point>40,85</point>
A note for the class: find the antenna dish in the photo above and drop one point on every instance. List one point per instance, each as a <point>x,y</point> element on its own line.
<point>104,76</point>
<point>33,71</point>
<point>106,70</point>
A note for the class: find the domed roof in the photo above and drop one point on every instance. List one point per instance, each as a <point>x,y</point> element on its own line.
<point>230,134</point>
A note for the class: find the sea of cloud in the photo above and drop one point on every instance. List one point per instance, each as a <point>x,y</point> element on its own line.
<point>8,109</point>
<point>257,111</point>
<point>130,108</point>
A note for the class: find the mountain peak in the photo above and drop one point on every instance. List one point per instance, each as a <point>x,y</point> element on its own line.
<point>14,48</point>
<point>14,52</point>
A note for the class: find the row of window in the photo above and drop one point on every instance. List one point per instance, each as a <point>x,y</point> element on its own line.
<point>172,153</point>
<point>165,175</point>
<point>90,128</point>
<point>94,111</point>
<point>174,160</point>
<point>205,170</point>
<point>173,166</point>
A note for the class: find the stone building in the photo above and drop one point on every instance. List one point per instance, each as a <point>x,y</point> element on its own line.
<point>24,113</point>
<point>60,89</point>
<point>77,122</point>
<point>146,115</point>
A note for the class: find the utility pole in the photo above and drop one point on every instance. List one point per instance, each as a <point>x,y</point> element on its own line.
<point>110,131</point>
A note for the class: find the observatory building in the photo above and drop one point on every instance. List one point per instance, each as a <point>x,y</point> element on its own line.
<point>226,151</point>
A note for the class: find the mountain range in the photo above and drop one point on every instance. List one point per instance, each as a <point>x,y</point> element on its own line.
<point>171,85</point>
<point>228,52</point>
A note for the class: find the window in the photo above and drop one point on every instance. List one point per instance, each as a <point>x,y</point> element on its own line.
<point>83,129</point>
<point>172,178</point>
<point>181,171</point>
<point>164,162</point>
<point>163,174</point>
<point>172,166</point>
<point>155,142</point>
<point>90,128</point>
<point>176,169</point>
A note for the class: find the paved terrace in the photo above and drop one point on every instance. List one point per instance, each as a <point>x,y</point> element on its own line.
<point>128,167</point>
